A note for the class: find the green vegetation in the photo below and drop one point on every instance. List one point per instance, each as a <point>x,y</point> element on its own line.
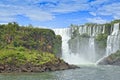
<point>20,56</point>
<point>58,44</point>
<point>76,33</point>
<point>85,35</point>
<point>26,44</point>
<point>101,40</point>
<point>76,30</point>
<point>108,27</point>
<point>91,24</point>
<point>115,21</point>
<point>14,35</point>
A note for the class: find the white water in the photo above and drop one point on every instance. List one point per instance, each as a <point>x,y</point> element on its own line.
<point>69,57</point>
<point>65,33</point>
<point>113,41</point>
<point>84,52</point>
<point>92,49</point>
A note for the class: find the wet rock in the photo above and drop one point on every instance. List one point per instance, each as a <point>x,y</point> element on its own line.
<point>110,60</point>
<point>58,64</point>
<point>2,68</point>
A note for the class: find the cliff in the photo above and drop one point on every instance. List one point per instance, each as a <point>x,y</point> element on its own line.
<point>29,49</point>
<point>25,60</point>
<point>45,40</point>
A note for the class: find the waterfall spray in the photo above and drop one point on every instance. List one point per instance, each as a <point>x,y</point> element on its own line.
<point>83,50</point>
<point>113,42</point>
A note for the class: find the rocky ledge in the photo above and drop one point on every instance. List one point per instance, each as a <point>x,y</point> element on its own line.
<point>28,67</point>
<point>113,59</point>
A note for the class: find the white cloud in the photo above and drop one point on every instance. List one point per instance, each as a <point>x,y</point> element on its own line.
<point>6,18</point>
<point>63,8</point>
<point>96,20</point>
<point>116,17</point>
<point>43,10</point>
<point>8,12</point>
<point>109,9</point>
<point>37,14</point>
<point>112,10</point>
<point>98,2</point>
<point>93,13</point>
<point>66,6</point>
<point>33,10</point>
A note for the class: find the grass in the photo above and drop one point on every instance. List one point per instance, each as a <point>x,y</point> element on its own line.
<point>21,56</point>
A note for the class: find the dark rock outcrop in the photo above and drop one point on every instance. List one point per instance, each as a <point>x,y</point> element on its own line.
<point>109,61</point>
<point>113,59</point>
<point>28,67</point>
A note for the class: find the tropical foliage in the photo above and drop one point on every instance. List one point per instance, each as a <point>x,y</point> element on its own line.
<point>13,35</point>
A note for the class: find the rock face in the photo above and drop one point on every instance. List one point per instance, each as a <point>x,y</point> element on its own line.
<point>109,61</point>
<point>28,67</point>
<point>113,59</point>
<point>41,39</point>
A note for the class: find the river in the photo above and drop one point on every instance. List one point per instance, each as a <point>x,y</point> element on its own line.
<point>84,73</point>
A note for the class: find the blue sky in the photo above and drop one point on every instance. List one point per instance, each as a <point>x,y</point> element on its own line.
<point>58,13</point>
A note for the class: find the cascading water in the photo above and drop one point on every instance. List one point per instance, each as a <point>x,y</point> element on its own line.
<point>79,46</point>
<point>65,33</point>
<point>113,41</point>
<point>92,49</point>
<point>69,57</point>
<point>86,46</point>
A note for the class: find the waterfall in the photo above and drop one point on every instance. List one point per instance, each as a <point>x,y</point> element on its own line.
<point>92,49</point>
<point>79,46</point>
<point>113,40</point>
<point>67,55</point>
<point>66,35</point>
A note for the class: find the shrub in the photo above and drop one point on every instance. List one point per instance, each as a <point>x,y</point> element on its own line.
<point>16,57</point>
<point>85,35</point>
<point>101,40</point>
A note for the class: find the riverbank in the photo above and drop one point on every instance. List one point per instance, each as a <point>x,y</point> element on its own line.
<point>29,49</point>
<point>28,67</point>
<point>84,73</point>
<point>25,60</point>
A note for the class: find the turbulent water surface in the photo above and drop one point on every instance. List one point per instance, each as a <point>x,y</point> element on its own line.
<point>84,73</point>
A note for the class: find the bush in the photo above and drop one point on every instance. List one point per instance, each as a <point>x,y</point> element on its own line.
<point>85,35</point>
<point>16,57</point>
<point>101,40</point>
<point>20,48</point>
<point>101,37</point>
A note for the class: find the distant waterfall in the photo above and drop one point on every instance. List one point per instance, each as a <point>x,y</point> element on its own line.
<point>77,50</point>
<point>86,47</point>
<point>113,40</point>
